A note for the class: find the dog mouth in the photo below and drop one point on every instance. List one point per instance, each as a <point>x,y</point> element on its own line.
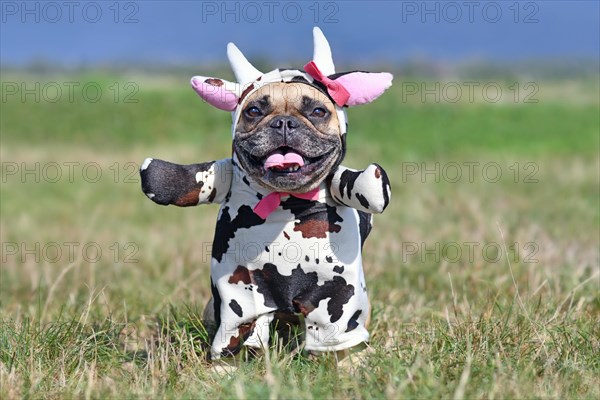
<point>288,161</point>
<point>286,168</point>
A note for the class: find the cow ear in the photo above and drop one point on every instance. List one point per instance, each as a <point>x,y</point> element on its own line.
<point>217,92</point>
<point>364,87</point>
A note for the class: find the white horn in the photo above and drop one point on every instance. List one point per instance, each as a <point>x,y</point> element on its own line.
<point>243,70</point>
<point>322,52</point>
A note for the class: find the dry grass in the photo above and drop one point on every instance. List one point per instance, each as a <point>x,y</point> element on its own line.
<point>521,320</point>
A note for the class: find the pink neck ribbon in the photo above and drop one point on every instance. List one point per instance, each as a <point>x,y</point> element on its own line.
<point>338,93</point>
<point>270,202</point>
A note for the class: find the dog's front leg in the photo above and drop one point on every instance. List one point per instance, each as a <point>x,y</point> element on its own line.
<point>367,190</point>
<point>186,185</point>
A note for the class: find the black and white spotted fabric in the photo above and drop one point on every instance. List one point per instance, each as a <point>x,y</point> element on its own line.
<point>304,259</point>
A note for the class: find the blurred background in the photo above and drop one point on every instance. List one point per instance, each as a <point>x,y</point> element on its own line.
<point>161,33</point>
<point>490,136</point>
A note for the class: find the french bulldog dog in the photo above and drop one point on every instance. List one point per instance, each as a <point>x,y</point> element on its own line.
<point>292,222</point>
<point>288,137</point>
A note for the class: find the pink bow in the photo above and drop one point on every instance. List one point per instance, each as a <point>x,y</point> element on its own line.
<point>270,202</point>
<point>338,93</point>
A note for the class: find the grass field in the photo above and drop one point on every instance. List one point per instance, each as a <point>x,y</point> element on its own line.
<point>483,272</point>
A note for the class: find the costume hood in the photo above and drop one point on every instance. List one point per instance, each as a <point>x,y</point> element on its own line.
<point>345,89</point>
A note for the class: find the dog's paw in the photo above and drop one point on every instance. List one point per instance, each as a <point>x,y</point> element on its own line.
<point>355,359</point>
<point>351,361</point>
<point>224,367</point>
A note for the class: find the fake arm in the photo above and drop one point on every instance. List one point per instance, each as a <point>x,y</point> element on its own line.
<point>186,185</point>
<point>368,190</point>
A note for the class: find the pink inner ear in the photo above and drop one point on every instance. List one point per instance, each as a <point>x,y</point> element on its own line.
<point>216,95</point>
<point>364,87</point>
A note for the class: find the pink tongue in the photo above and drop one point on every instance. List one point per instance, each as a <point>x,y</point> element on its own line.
<point>281,160</point>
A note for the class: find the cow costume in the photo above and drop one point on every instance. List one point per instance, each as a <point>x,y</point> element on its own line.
<point>278,254</point>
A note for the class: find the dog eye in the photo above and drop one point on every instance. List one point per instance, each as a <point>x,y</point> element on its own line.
<point>318,112</point>
<point>253,112</point>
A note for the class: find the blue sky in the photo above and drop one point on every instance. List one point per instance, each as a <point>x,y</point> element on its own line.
<point>195,32</point>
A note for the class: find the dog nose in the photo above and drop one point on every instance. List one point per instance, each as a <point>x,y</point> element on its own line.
<point>286,123</point>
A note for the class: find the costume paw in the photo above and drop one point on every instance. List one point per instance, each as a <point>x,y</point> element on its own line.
<point>167,183</point>
<point>368,190</point>
<point>378,189</point>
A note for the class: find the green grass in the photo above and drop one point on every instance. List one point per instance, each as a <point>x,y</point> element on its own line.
<point>519,320</point>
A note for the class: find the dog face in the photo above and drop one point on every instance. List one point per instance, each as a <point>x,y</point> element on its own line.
<point>288,137</point>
